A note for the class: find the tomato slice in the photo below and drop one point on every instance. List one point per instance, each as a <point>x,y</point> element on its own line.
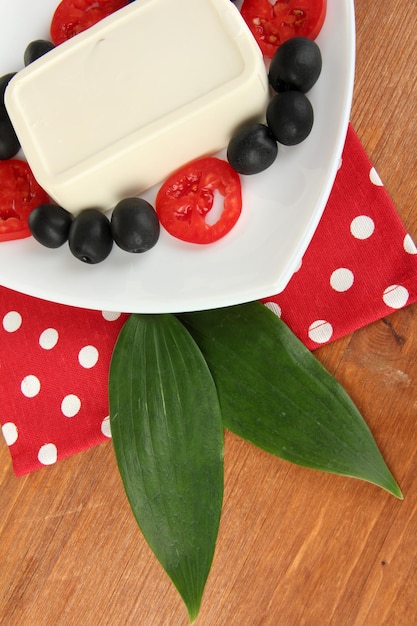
<point>185,199</point>
<point>19,194</point>
<point>73,16</point>
<point>274,21</point>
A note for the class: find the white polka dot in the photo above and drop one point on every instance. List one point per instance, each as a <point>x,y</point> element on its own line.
<point>110,316</point>
<point>88,356</point>
<point>374,178</point>
<point>48,339</point>
<point>70,405</point>
<point>342,279</point>
<point>105,427</point>
<point>320,331</point>
<point>12,321</point>
<point>395,296</point>
<point>48,454</point>
<point>409,245</point>
<point>30,386</point>
<point>274,307</point>
<point>10,433</point>
<point>340,163</point>
<point>362,227</point>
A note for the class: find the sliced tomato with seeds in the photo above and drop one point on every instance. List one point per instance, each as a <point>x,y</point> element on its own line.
<point>274,21</point>
<point>74,16</point>
<point>185,199</point>
<point>19,195</point>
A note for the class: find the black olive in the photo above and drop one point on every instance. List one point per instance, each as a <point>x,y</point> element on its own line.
<point>252,149</point>
<point>135,225</point>
<point>36,49</point>
<point>50,224</point>
<point>90,238</point>
<point>295,65</point>
<point>4,81</point>
<point>290,117</point>
<point>9,143</point>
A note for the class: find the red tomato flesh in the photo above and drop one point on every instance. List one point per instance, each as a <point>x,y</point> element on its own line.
<point>186,197</point>
<point>19,195</point>
<point>272,23</point>
<point>74,16</point>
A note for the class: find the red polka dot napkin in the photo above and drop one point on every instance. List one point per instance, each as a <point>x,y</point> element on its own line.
<point>360,266</point>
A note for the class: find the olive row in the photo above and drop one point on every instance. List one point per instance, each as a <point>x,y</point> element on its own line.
<point>133,226</point>
<point>294,69</point>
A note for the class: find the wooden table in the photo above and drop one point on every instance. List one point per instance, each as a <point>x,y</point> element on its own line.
<point>295,546</point>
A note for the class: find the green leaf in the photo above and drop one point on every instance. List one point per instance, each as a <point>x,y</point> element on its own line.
<point>274,393</point>
<point>167,435</point>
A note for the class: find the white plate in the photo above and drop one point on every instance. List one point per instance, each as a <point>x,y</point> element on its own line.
<point>281,207</point>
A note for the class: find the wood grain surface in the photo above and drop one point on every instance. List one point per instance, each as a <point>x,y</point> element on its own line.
<point>296,547</point>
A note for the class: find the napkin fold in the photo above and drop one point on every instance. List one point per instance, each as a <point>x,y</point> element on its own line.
<point>360,266</point>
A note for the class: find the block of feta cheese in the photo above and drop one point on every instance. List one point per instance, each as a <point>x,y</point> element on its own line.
<point>117,108</point>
